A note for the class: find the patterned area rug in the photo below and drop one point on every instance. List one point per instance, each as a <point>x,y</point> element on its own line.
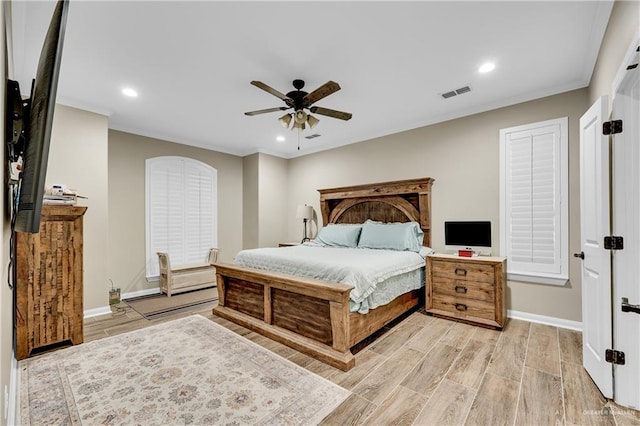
<point>186,371</point>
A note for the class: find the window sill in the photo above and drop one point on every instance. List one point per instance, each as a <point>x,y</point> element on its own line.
<point>538,279</point>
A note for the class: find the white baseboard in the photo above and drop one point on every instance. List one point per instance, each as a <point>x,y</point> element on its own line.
<point>542,319</point>
<point>103,310</point>
<point>12,403</point>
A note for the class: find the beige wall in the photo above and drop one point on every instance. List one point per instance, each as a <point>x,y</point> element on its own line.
<point>623,26</point>
<point>264,197</point>
<point>462,156</point>
<point>272,197</point>
<point>127,155</point>
<point>78,159</point>
<point>250,201</point>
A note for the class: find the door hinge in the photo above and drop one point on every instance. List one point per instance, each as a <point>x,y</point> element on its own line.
<point>612,127</point>
<point>613,243</point>
<point>614,357</point>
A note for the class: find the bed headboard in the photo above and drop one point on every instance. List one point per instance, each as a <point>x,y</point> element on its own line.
<point>397,201</point>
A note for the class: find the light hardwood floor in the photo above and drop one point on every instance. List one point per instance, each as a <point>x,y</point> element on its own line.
<point>431,371</point>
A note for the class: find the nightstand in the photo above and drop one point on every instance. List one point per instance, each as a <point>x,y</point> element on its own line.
<point>288,244</point>
<point>469,289</point>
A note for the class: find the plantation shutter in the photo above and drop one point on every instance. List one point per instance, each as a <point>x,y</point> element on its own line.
<point>181,211</point>
<point>534,212</point>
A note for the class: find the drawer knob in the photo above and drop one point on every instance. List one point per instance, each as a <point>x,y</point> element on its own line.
<point>461,307</point>
<point>460,271</point>
<point>460,289</point>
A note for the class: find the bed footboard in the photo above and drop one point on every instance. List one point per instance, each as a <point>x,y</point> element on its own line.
<point>308,315</point>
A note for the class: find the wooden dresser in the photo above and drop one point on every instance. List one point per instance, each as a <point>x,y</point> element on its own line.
<point>470,289</point>
<point>49,306</point>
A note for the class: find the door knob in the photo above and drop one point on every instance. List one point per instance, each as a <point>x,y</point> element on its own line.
<point>580,255</point>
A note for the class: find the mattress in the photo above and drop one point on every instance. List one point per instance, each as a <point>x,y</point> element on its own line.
<point>377,276</point>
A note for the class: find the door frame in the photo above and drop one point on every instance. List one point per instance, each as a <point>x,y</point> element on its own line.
<point>625,192</point>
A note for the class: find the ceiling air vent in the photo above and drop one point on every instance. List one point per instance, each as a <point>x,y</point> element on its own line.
<point>315,135</point>
<point>453,93</point>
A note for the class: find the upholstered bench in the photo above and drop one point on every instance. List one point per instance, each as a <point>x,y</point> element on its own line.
<point>187,277</point>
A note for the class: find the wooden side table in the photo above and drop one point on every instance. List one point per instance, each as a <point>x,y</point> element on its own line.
<point>469,289</point>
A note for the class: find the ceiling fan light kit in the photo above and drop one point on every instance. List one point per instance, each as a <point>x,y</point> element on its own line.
<point>312,121</point>
<point>301,116</point>
<point>285,120</point>
<point>300,100</point>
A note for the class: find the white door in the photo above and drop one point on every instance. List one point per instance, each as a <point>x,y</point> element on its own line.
<point>596,265</point>
<point>626,211</point>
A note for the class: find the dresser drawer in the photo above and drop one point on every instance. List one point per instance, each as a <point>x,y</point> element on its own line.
<point>464,289</point>
<point>463,271</point>
<point>463,307</point>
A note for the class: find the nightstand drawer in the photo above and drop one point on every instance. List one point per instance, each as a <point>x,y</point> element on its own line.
<point>463,307</point>
<point>464,271</point>
<point>464,289</point>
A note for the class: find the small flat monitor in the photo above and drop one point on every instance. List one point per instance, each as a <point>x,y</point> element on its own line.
<point>468,235</point>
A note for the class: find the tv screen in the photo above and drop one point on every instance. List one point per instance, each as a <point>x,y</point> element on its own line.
<point>468,234</point>
<point>38,120</point>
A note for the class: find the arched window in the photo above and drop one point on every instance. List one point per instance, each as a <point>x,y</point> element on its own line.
<point>181,211</point>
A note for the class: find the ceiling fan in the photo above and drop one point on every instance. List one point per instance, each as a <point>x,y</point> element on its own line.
<point>300,100</point>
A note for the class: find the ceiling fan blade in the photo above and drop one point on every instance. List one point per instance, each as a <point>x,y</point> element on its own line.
<point>270,89</point>
<point>331,113</point>
<point>321,92</point>
<point>263,111</point>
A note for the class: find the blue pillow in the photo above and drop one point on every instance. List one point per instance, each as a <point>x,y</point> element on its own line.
<point>338,235</point>
<point>391,236</point>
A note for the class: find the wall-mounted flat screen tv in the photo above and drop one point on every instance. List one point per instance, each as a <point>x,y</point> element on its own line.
<point>29,122</point>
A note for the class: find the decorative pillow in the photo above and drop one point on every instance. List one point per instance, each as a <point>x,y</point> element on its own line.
<point>391,236</point>
<point>339,235</point>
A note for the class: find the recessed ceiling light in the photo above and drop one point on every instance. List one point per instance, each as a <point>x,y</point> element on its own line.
<point>128,91</point>
<point>487,67</point>
<point>281,138</point>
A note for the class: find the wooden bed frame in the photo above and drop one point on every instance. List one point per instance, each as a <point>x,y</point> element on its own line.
<point>313,316</point>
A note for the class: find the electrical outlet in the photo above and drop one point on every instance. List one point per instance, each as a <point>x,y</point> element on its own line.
<point>14,171</point>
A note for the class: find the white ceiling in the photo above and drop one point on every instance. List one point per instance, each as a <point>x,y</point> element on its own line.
<point>192,62</point>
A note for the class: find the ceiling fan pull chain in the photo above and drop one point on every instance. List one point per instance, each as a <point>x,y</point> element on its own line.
<point>298,140</point>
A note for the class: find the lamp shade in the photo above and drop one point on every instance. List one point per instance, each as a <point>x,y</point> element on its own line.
<point>304,212</point>
<point>300,116</point>
<point>312,121</point>
<point>285,120</point>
